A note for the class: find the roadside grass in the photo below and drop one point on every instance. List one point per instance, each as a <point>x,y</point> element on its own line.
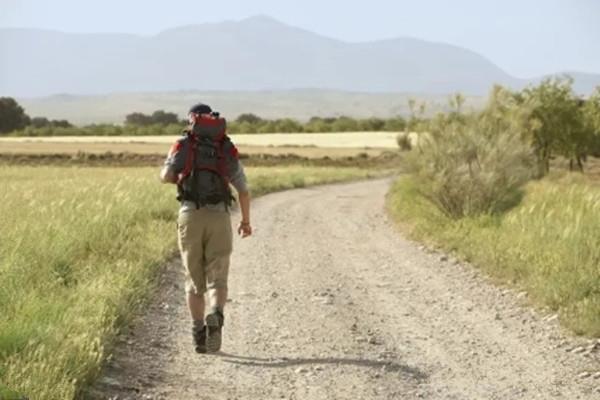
<point>79,253</point>
<point>549,244</point>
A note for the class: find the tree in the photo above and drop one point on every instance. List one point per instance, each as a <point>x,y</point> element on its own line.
<point>288,125</point>
<point>318,124</point>
<point>396,124</point>
<point>39,122</point>
<point>159,117</point>
<point>164,118</point>
<point>138,119</point>
<point>12,115</point>
<point>345,124</point>
<point>61,123</point>
<point>591,120</point>
<point>249,118</point>
<point>371,124</point>
<point>556,122</point>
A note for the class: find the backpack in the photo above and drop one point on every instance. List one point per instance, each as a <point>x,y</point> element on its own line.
<point>204,179</point>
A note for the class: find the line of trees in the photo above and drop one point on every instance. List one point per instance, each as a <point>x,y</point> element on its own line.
<point>251,123</point>
<point>15,122</point>
<point>138,124</point>
<point>13,117</point>
<point>158,117</point>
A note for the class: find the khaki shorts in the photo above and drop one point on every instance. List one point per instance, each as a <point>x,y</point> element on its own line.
<point>205,242</point>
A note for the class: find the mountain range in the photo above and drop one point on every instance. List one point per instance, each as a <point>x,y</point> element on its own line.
<point>254,54</point>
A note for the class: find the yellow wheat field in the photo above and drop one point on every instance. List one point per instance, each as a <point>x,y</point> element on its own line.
<point>381,140</point>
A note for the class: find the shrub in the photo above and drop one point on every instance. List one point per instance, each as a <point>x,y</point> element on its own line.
<point>473,164</point>
<point>404,141</point>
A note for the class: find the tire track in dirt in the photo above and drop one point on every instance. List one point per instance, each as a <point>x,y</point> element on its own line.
<point>329,301</point>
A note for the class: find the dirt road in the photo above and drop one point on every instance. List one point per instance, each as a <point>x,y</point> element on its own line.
<point>329,301</point>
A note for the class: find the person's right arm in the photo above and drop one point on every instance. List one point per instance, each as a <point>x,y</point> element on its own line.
<point>174,163</point>
<point>167,175</point>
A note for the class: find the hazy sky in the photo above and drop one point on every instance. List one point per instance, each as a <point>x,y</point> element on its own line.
<point>524,37</point>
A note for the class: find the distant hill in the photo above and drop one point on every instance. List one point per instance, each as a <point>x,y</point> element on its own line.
<point>254,54</point>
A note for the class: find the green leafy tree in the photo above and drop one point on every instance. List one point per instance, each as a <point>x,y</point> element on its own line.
<point>397,124</point>
<point>249,118</point>
<point>39,122</point>
<point>43,122</point>
<point>12,115</point>
<point>288,125</point>
<point>267,127</point>
<point>556,122</point>
<point>318,124</point>
<point>61,123</point>
<point>371,124</point>
<point>591,118</point>
<point>345,124</point>
<point>138,119</point>
<point>164,118</point>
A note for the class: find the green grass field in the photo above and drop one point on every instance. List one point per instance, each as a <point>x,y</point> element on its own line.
<point>79,251</point>
<point>548,245</point>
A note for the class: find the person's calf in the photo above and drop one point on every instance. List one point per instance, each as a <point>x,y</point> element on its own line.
<point>196,304</point>
<point>217,297</point>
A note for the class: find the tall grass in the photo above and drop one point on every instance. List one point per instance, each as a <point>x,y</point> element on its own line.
<point>549,244</point>
<point>79,251</point>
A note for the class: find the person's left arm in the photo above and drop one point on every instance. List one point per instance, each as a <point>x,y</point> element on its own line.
<point>238,180</point>
<point>240,183</point>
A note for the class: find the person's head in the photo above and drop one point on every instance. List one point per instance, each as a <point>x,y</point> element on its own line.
<point>197,110</point>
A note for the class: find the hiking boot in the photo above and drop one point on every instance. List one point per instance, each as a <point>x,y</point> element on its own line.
<point>214,324</point>
<point>199,334</point>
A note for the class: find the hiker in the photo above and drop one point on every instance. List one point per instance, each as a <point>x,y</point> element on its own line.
<point>202,163</point>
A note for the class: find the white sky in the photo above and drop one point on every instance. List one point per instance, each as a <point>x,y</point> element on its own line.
<point>526,38</point>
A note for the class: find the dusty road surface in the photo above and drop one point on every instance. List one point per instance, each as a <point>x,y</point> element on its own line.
<point>329,301</point>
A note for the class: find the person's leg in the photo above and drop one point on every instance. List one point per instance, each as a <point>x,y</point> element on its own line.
<point>190,240</point>
<point>218,249</point>
<point>217,298</point>
<point>196,305</point>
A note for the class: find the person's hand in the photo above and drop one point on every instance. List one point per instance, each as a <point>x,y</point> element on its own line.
<point>244,229</point>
